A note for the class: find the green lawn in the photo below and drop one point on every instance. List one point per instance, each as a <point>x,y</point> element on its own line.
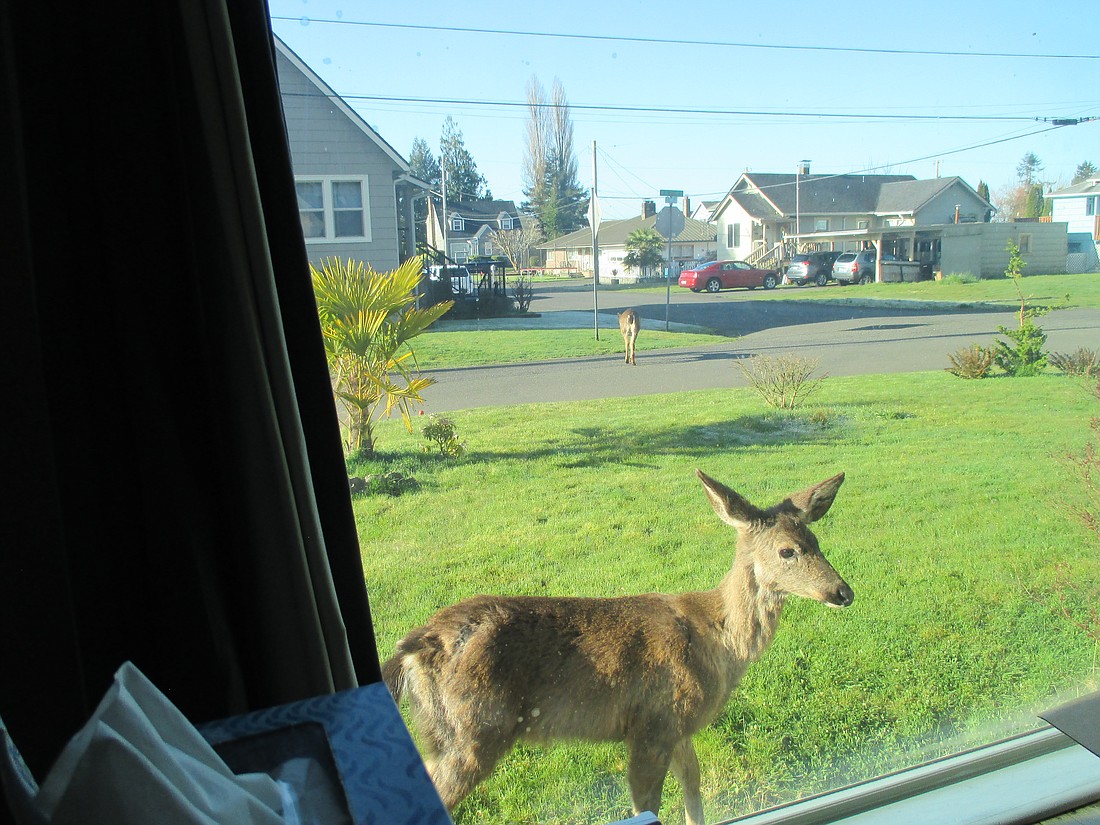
<point>953,528</point>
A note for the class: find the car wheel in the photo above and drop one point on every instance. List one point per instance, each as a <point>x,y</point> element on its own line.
<point>839,282</point>
<point>696,289</point>
<point>821,279</point>
<point>799,283</point>
<point>770,281</point>
<point>713,285</point>
<point>866,279</point>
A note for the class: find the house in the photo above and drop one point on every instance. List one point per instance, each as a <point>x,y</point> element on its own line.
<point>941,222</point>
<point>469,227</point>
<point>348,179</point>
<point>1079,207</point>
<point>704,211</point>
<point>696,241</point>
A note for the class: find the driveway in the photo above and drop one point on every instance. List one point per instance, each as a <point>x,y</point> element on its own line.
<point>848,340</point>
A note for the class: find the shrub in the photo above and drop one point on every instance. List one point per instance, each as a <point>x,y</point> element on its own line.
<point>960,278</point>
<point>971,362</point>
<point>523,292</point>
<point>441,434</point>
<point>1025,355</point>
<point>1083,362</point>
<point>783,381</point>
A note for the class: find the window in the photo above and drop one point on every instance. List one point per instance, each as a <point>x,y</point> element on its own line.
<point>506,222</point>
<point>737,234</point>
<point>863,224</point>
<point>1024,244</point>
<point>1091,204</point>
<point>821,224</point>
<point>457,223</point>
<point>729,235</point>
<point>333,209</point>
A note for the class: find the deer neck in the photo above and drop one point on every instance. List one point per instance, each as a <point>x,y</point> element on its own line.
<point>751,611</point>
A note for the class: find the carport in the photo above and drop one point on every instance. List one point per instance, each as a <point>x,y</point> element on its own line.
<point>923,244</point>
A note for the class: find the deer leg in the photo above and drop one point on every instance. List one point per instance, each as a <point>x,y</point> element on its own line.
<point>646,775</point>
<point>685,767</point>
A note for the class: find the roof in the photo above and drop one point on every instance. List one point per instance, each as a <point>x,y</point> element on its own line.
<point>481,210</point>
<point>615,233</point>
<point>341,104</point>
<point>766,194</point>
<point>1091,186</point>
<point>910,196</point>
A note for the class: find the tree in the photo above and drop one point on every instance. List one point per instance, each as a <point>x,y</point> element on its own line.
<point>555,198</point>
<point>516,243</point>
<point>464,182</point>
<point>1035,203</point>
<point>425,166</point>
<point>1027,171</point>
<point>983,190</point>
<point>643,249</point>
<point>1085,170</point>
<point>367,320</point>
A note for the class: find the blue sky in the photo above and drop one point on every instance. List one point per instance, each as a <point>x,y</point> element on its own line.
<point>903,112</point>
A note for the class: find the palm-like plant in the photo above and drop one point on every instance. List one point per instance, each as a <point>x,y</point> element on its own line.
<point>367,319</point>
<point>643,249</point>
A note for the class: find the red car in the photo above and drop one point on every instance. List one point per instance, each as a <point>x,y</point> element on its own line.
<point>726,275</point>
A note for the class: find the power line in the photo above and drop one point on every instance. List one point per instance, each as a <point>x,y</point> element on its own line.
<point>684,42</point>
<point>671,110</point>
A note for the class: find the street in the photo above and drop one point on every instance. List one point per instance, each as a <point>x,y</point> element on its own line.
<point>847,340</point>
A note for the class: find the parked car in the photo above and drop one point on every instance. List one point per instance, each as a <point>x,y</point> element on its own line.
<point>811,266</point>
<point>857,267</point>
<point>718,275</point>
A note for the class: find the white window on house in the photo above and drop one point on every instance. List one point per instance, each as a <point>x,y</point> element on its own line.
<point>1024,244</point>
<point>333,209</point>
<point>505,222</point>
<point>863,224</point>
<point>821,224</point>
<point>1091,203</point>
<point>488,247</point>
<point>457,223</point>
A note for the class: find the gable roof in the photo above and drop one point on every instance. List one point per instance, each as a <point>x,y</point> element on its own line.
<point>772,194</point>
<point>615,233</point>
<point>481,210</point>
<point>340,104</point>
<point>911,196</point>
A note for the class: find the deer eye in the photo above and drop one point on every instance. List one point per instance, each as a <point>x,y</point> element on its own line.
<point>787,553</point>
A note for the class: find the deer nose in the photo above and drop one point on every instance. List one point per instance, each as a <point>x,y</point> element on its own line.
<point>843,597</point>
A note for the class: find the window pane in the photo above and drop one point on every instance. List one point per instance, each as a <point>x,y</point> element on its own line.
<point>348,224</point>
<point>313,224</point>
<point>347,194</point>
<point>310,195</point>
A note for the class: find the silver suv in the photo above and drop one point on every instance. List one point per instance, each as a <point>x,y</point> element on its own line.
<point>855,267</point>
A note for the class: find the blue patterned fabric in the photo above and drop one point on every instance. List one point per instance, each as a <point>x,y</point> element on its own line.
<point>381,770</point>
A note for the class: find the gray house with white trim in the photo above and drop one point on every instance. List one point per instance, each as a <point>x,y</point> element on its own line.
<point>350,181</point>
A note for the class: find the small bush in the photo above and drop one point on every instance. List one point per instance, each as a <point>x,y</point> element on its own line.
<point>1024,355</point>
<point>971,362</point>
<point>783,381</point>
<point>440,434</point>
<point>960,278</point>
<point>1083,362</point>
<point>391,483</point>
<point>523,292</point>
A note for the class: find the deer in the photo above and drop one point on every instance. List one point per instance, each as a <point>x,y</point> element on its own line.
<point>647,670</point>
<point>629,324</point>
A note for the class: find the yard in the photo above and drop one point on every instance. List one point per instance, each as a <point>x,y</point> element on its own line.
<point>954,527</point>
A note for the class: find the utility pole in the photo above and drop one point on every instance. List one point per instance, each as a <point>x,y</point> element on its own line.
<point>443,182</point>
<point>594,222</point>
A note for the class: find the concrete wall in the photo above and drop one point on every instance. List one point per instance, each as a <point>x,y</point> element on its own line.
<point>324,142</point>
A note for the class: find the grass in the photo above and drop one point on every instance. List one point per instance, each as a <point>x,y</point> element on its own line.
<point>440,349</point>
<point>949,526</point>
<point>1049,290</point>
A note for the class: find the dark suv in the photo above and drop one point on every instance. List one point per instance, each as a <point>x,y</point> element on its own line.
<point>811,266</point>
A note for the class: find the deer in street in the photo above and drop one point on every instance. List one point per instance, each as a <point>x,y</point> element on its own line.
<point>648,670</point>
<point>629,325</point>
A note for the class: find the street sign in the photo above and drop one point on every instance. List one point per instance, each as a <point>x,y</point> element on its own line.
<point>671,193</point>
<point>670,222</point>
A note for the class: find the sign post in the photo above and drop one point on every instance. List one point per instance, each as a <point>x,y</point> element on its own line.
<point>670,223</point>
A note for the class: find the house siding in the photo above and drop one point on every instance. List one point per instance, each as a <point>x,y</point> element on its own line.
<point>982,248</point>
<point>941,209</point>
<point>323,143</point>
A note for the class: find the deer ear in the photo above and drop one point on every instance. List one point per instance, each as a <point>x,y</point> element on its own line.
<point>731,507</point>
<point>813,502</point>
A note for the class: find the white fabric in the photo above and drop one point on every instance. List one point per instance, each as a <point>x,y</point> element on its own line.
<point>138,760</point>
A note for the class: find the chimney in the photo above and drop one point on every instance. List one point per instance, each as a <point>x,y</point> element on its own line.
<point>649,209</point>
<point>804,167</point>
<point>687,206</point>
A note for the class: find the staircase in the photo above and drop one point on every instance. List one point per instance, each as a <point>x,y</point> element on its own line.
<point>764,258</point>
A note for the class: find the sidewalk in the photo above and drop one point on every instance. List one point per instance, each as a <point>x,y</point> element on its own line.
<point>564,319</point>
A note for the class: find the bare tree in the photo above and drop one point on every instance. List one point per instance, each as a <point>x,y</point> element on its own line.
<point>537,138</point>
<point>516,243</point>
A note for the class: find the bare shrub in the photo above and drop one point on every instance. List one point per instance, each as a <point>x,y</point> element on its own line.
<point>971,362</point>
<point>783,381</point>
<point>1084,362</point>
<point>523,292</point>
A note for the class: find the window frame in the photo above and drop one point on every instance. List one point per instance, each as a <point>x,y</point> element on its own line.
<point>329,210</point>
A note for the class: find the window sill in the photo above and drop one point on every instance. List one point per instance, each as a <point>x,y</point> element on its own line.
<point>1023,779</point>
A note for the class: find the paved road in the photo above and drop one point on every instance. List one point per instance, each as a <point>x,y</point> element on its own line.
<point>848,340</point>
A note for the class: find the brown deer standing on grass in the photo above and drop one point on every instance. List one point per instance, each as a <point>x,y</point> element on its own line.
<point>629,324</point>
<point>647,670</point>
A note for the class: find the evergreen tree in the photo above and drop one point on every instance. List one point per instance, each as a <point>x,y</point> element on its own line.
<point>1033,207</point>
<point>425,166</point>
<point>464,182</point>
<point>1085,170</point>
<point>1028,169</point>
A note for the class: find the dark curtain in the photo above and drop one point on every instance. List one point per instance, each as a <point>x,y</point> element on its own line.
<point>174,490</point>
